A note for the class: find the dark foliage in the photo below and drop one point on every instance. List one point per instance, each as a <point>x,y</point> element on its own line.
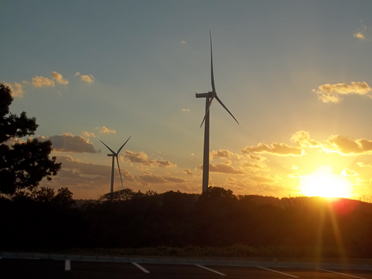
<point>284,227</point>
<point>22,164</point>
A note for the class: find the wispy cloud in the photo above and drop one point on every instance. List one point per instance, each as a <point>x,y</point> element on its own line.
<point>187,171</point>
<point>41,81</point>
<point>280,149</point>
<point>71,143</point>
<point>304,139</point>
<point>224,168</point>
<point>16,89</point>
<point>143,159</point>
<point>359,36</point>
<point>333,92</point>
<point>87,134</point>
<point>59,78</point>
<point>87,78</point>
<point>348,146</point>
<point>106,130</point>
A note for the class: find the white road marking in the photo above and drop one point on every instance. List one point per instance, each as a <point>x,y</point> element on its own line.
<point>141,267</point>
<point>343,274</point>
<point>67,265</point>
<point>210,269</point>
<point>277,271</point>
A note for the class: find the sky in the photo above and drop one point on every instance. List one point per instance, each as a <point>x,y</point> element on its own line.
<point>295,73</point>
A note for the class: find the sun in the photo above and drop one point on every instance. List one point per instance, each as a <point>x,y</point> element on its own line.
<point>324,183</point>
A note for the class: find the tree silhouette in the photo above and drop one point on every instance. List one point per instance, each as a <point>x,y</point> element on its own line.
<point>23,162</point>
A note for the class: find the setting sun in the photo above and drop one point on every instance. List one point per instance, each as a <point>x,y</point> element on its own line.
<point>324,183</point>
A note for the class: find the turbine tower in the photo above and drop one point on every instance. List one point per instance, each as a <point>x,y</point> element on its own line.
<point>209,96</point>
<point>114,155</point>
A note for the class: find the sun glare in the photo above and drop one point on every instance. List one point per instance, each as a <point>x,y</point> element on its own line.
<point>324,183</point>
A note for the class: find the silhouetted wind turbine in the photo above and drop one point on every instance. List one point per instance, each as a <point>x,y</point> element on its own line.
<point>114,155</point>
<point>209,96</point>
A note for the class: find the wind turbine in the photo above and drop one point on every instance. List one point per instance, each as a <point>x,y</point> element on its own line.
<point>115,155</point>
<point>209,96</point>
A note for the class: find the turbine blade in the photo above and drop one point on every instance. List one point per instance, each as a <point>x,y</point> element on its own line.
<point>222,104</point>
<point>121,178</point>
<point>212,74</point>
<point>206,112</point>
<point>121,147</point>
<point>107,146</point>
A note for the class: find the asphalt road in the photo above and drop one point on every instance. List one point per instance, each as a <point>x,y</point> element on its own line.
<point>40,269</point>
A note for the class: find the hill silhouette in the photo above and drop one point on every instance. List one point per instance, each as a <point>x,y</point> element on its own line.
<point>300,226</point>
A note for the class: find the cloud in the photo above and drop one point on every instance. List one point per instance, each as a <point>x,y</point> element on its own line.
<point>41,81</point>
<point>143,158</point>
<point>156,179</point>
<point>361,33</point>
<point>16,89</point>
<point>185,110</point>
<point>87,134</point>
<point>332,92</point>
<point>87,78</point>
<point>280,149</point>
<point>71,143</point>
<point>346,145</point>
<point>137,157</point>
<point>164,163</point>
<point>222,153</point>
<point>224,168</point>
<point>187,171</point>
<point>304,139</point>
<point>106,130</point>
<point>359,36</point>
<point>59,78</point>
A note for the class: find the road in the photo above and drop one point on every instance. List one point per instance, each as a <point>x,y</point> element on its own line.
<point>49,269</point>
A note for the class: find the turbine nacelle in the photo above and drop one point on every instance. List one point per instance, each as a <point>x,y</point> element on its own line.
<point>205,95</point>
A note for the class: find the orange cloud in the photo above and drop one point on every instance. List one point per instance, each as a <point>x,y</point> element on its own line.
<point>106,130</point>
<point>41,81</point>
<point>281,149</point>
<point>303,139</point>
<point>59,78</point>
<point>224,168</point>
<point>16,89</point>
<point>143,159</point>
<point>87,78</point>
<point>332,92</point>
<point>346,145</point>
<point>359,35</point>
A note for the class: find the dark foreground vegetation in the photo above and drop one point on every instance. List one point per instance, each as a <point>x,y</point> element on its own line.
<point>191,224</point>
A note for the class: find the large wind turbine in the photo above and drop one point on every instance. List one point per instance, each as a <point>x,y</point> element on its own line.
<point>209,96</point>
<point>114,155</point>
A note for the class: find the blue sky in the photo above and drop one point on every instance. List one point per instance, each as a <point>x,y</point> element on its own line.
<point>148,58</point>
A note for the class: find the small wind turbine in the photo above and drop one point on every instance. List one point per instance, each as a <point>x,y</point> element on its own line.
<point>209,96</point>
<point>115,155</point>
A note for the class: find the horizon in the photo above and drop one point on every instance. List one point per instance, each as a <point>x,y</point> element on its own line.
<point>294,73</point>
